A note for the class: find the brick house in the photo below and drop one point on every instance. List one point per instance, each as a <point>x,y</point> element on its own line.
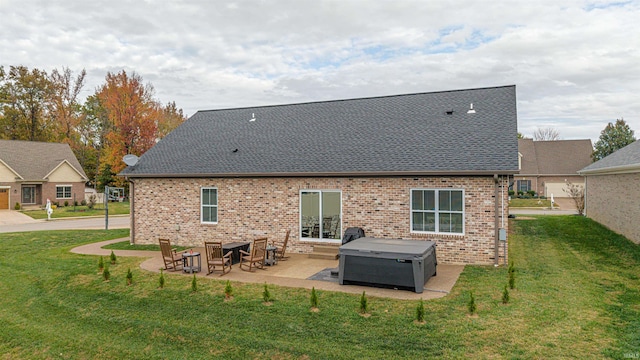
<point>32,172</point>
<point>422,166</point>
<point>546,166</point>
<point>612,191</point>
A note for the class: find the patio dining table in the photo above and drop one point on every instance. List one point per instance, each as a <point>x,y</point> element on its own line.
<point>235,248</point>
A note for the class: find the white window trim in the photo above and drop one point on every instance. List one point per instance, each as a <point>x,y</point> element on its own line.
<point>202,205</point>
<point>437,212</point>
<point>318,240</point>
<point>63,186</point>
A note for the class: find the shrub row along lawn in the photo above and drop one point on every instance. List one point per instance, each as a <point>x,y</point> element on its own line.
<point>576,296</point>
<point>115,208</point>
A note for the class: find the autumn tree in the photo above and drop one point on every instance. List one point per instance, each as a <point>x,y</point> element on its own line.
<point>132,114</point>
<point>64,109</point>
<point>546,134</point>
<point>24,97</point>
<point>612,138</point>
<point>169,119</point>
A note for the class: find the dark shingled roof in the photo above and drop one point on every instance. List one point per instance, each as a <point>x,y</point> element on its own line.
<point>557,157</point>
<point>33,160</point>
<point>626,159</point>
<point>391,135</point>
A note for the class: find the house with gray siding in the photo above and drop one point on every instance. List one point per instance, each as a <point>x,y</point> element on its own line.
<point>612,191</point>
<point>427,166</point>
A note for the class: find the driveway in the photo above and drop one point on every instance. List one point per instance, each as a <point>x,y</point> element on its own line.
<point>14,221</point>
<point>566,207</point>
<point>10,217</point>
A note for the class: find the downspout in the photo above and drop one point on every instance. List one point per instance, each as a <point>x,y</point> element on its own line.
<point>496,223</point>
<point>132,216</point>
<point>586,181</point>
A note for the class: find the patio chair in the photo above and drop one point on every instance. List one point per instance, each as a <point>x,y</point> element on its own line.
<point>255,258</point>
<point>172,261</point>
<point>280,250</point>
<point>216,258</point>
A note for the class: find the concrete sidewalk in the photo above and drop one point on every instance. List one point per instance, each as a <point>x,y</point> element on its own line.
<point>292,272</point>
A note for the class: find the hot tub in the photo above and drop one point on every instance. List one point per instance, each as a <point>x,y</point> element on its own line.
<point>395,263</point>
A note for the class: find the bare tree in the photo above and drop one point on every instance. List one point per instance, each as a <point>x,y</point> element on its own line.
<point>576,192</point>
<point>542,134</point>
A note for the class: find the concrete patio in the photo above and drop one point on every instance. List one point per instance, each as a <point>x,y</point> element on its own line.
<point>293,272</point>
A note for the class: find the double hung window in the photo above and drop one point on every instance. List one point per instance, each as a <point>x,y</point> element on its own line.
<point>63,192</point>
<point>209,205</point>
<point>437,211</point>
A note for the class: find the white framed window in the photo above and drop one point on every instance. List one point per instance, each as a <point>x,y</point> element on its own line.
<point>63,191</point>
<point>437,211</point>
<point>209,205</point>
<point>321,215</point>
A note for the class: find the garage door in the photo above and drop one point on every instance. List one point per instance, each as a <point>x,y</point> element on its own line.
<point>4,198</point>
<point>557,189</point>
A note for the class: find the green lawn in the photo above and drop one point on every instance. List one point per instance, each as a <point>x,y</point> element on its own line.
<point>126,245</point>
<point>530,203</point>
<point>577,296</point>
<point>115,208</point>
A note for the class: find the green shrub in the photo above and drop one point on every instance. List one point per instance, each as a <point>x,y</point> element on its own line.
<point>83,202</point>
<point>531,193</point>
<point>17,206</point>
<point>112,257</point>
<point>505,295</point>
<point>363,303</point>
<point>106,274</point>
<point>129,276</point>
<point>101,264</point>
<point>66,203</point>
<point>194,284</point>
<point>420,311</point>
<point>266,295</point>
<point>92,201</point>
<point>471,305</point>
<point>228,290</point>
<point>161,281</point>
<point>511,192</point>
<point>314,298</point>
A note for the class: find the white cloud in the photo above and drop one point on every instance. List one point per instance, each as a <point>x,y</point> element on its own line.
<point>575,63</point>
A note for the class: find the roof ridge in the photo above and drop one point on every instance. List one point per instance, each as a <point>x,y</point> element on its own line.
<point>360,98</point>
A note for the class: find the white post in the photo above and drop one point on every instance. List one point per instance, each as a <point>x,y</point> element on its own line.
<point>49,209</point>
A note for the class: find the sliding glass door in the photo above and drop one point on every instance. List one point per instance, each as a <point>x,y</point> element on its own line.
<point>320,215</point>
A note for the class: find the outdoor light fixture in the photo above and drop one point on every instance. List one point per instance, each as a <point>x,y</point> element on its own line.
<point>471,111</point>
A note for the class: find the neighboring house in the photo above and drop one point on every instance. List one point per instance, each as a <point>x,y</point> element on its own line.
<point>428,166</point>
<point>546,166</point>
<point>32,172</point>
<point>612,191</point>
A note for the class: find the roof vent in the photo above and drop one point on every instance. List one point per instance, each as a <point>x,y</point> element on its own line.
<point>253,117</point>
<point>449,112</point>
<point>471,111</point>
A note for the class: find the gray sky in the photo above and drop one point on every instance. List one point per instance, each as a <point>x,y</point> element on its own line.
<point>576,64</point>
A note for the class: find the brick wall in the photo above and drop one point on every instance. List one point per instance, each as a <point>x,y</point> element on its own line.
<point>248,208</point>
<point>612,200</point>
<point>49,192</point>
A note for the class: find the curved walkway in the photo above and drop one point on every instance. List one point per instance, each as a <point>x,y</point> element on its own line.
<point>290,273</point>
